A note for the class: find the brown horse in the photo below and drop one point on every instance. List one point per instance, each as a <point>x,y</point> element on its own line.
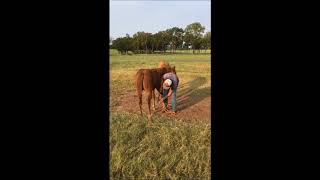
<point>149,80</point>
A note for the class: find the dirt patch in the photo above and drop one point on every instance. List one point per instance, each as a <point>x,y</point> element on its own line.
<point>193,104</point>
<point>199,111</point>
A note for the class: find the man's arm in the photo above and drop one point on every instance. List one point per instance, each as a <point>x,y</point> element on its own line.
<point>170,93</point>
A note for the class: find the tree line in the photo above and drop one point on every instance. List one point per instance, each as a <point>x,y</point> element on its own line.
<point>172,39</point>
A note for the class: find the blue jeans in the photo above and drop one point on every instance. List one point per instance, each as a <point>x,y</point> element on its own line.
<point>174,98</point>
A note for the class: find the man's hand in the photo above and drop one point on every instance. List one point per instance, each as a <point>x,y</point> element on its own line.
<point>161,100</point>
<point>170,93</point>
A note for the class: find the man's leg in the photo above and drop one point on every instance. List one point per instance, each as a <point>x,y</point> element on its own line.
<point>165,92</point>
<point>174,100</point>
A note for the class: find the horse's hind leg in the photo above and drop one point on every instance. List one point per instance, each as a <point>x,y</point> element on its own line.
<point>139,88</point>
<point>154,100</point>
<point>149,97</point>
<point>140,101</point>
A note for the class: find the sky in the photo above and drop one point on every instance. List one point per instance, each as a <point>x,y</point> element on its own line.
<point>129,17</point>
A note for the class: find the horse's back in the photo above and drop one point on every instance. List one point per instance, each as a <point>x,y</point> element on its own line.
<point>149,79</point>
<point>143,79</point>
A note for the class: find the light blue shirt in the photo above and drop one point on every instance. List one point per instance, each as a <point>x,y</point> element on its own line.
<point>173,77</point>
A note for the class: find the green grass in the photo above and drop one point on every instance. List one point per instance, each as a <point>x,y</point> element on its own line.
<point>165,148</point>
<point>162,149</point>
<point>123,68</point>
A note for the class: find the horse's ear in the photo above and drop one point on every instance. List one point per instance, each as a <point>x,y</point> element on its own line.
<point>174,68</point>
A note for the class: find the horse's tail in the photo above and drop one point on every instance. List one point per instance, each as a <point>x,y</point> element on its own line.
<point>139,86</point>
<point>139,81</point>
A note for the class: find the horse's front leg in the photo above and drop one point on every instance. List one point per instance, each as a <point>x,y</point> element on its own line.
<point>149,97</point>
<point>154,100</point>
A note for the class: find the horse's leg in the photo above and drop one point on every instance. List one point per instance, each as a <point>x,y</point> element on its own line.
<point>140,101</point>
<point>154,100</point>
<point>139,88</point>
<point>158,97</point>
<point>149,97</point>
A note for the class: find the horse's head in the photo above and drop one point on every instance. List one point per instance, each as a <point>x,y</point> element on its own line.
<point>167,69</point>
<point>163,63</point>
<point>171,69</point>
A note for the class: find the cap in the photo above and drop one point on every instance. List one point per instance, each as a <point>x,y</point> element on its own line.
<point>169,82</point>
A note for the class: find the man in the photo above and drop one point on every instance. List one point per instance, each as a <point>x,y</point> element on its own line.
<point>169,87</point>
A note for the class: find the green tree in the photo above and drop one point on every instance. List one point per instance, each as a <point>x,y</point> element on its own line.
<point>110,40</point>
<point>142,41</point>
<point>138,42</point>
<point>123,44</point>
<point>175,37</point>
<point>161,40</point>
<point>193,35</point>
<point>157,41</point>
<point>148,42</point>
<point>207,40</point>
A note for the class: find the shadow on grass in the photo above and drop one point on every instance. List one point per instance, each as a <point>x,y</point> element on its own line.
<point>190,94</point>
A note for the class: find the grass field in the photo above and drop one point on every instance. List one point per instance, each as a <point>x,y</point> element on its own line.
<point>166,148</point>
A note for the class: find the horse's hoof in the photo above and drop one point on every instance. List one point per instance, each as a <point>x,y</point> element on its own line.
<point>165,110</point>
<point>149,117</point>
<point>154,108</point>
<point>174,113</point>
